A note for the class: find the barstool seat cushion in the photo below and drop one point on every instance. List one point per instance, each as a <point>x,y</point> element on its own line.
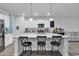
<point>41,43</point>
<point>27,44</point>
<point>54,43</point>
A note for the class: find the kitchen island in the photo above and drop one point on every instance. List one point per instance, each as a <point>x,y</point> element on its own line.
<point>32,37</point>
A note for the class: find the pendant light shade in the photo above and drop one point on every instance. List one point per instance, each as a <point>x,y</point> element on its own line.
<point>51,19</point>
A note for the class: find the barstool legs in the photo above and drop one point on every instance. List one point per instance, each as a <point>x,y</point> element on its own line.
<point>45,49</point>
<point>41,49</point>
<point>58,48</point>
<point>52,49</point>
<point>30,49</point>
<point>37,49</point>
<point>27,49</point>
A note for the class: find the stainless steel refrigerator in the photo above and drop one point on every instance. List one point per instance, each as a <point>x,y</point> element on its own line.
<point>2,35</point>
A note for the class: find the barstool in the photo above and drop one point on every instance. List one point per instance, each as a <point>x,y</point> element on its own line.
<point>41,43</point>
<point>56,41</point>
<point>26,44</point>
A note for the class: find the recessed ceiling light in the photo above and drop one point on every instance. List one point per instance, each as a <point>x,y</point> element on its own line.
<point>35,14</point>
<point>51,19</point>
<point>30,19</point>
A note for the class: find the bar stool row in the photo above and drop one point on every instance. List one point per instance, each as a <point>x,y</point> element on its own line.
<point>41,43</point>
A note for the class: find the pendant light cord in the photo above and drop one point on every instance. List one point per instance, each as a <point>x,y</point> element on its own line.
<point>31,10</point>
<point>51,9</point>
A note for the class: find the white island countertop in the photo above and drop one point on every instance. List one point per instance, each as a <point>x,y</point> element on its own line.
<point>34,35</point>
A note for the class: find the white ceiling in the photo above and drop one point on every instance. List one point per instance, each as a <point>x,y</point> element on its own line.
<point>58,9</point>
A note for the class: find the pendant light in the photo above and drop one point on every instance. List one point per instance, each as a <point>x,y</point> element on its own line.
<point>51,19</point>
<point>31,12</point>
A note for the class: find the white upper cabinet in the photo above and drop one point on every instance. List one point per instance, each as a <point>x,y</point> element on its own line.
<point>6,19</point>
<point>1,16</point>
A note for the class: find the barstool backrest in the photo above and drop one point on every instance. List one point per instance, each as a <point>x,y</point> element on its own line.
<point>23,39</point>
<point>41,38</point>
<point>56,38</point>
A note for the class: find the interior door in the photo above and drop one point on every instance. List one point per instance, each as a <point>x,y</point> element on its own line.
<point>2,39</point>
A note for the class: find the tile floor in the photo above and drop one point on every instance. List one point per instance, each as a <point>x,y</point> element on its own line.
<point>47,53</point>
<point>9,51</point>
<point>73,50</point>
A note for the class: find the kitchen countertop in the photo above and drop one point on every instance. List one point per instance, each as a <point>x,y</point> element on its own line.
<point>34,35</point>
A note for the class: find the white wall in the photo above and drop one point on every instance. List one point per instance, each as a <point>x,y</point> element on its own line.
<point>68,23</point>
<point>5,18</point>
<point>19,21</point>
<point>34,23</point>
<point>25,23</point>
